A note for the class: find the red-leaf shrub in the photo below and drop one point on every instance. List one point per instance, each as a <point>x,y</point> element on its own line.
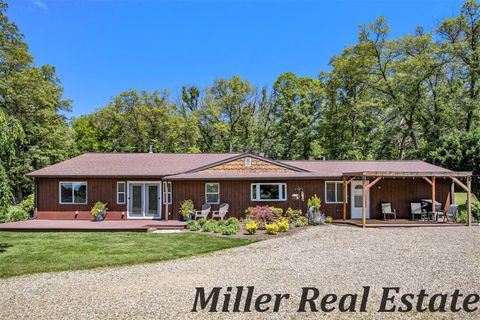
<point>264,213</point>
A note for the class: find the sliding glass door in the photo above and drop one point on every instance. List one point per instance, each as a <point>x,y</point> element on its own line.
<point>144,200</point>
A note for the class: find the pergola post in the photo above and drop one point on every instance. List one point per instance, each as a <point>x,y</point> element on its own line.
<point>468,189</point>
<point>433,194</point>
<point>344,198</point>
<point>469,200</point>
<point>364,201</point>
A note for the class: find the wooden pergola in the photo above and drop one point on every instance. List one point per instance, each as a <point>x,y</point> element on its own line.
<point>429,177</point>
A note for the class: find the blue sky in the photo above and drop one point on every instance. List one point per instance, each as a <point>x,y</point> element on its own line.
<point>101,48</point>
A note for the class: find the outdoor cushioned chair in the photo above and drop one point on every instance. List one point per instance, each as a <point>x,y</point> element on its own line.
<point>204,212</point>
<point>387,210</point>
<point>416,209</point>
<point>222,211</point>
<point>450,214</point>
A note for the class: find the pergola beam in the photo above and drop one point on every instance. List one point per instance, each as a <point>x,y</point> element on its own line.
<point>373,183</point>
<point>428,180</point>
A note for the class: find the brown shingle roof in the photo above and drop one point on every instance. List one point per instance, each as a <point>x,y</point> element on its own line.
<point>129,164</point>
<point>176,166</point>
<point>338,167</point>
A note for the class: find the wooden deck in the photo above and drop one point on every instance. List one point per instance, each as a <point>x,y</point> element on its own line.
<point>399,223</point>
<point>86,225</point>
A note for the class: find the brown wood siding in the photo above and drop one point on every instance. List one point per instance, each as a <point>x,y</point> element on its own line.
<point>237,195</point>
<point>99,189</point>
<point>399,192</point>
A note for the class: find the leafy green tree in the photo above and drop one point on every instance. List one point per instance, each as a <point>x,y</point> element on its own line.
<point>32,97</point>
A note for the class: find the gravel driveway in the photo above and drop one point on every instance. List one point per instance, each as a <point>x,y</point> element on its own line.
<point>334,259</point>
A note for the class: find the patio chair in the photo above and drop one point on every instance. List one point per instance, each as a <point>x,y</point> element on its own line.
<point>221,212</point>
<point>387,210</point>
<point>451,213</point>
<point>416,209</point>
<point>204,212</point>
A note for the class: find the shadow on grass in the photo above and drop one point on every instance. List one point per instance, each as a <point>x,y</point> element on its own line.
<point>4,246</point>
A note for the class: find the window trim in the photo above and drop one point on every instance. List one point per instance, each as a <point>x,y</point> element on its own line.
<point>73,194</point>
<point>248,161</point>
<point>283,196</point>
<point>336,194</point>
<point>217,193</point>
<point>124,192</point>
<point>167,195</point>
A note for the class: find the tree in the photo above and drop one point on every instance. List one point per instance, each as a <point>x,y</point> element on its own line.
<point>32,97</point>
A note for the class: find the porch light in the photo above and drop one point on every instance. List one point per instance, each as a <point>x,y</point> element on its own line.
<point>379,187</point>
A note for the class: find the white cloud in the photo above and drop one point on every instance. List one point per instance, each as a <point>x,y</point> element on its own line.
<point>40,4</point>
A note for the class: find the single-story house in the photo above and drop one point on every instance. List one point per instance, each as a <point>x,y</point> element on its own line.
<point>152,185</point>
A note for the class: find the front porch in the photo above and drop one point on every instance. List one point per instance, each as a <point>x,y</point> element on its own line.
<point>366,180</point>
<point>86,225</point>
<point>399,223</point>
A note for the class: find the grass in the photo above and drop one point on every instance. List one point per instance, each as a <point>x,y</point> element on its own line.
<point>33,252</point>
<point>461,200</point>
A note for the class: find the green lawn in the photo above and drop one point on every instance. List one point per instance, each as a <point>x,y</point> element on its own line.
<point>32,252</point>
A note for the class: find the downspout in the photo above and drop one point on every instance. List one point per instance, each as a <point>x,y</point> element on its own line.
<point>35,198</point>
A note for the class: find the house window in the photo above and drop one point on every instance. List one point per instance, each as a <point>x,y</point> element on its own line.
<point>73,192</point>
<point>212,193</point>
<point>334,192</point>
<point>248,162</point>
<point>269,191</point>
<point>167,193</point>
<point>120,192</point>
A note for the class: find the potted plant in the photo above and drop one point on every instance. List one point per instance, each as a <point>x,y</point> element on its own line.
<point>186,209</point>
<point>99,211</point>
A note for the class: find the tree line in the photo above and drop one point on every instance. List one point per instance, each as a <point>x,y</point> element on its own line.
<point>414,96</point>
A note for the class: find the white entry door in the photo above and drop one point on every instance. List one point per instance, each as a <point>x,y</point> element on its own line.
<point>144,200</point>
<point>356,201</point>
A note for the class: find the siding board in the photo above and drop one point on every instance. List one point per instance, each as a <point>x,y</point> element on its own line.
<point>399,192</point>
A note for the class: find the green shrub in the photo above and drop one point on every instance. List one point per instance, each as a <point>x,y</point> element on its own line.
<point>251,226</point>
<point>278,212</point>
<point>16,213</point>
<point>209,226</point>
<point>271,228</point>
<point>222,222</point>
<point>283,225</point>
<point>329,219</point>
<point>229,230</point>
<point>28,204</point>
<point>194,227</point>
<point>219,228</point>
<point>292,214</point>
<point>300,222</point>
<point>202,221</point>
<point>314,202</point>
<point>232,221</point>
<point>191,223</point>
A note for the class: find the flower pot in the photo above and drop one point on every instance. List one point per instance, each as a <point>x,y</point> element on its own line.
<point>186,218</point>
<point>100,217</point>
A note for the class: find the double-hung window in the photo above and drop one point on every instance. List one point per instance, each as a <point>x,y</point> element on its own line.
<point>120,192</point>
<point>269,191</point>
<point>73,192</point>
<point>212,193</point>
<point>334,192</point>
